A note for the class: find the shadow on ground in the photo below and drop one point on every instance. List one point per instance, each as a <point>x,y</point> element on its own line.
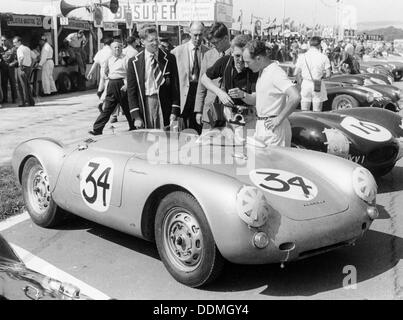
<point>392,182</point>
<point>371,256</point>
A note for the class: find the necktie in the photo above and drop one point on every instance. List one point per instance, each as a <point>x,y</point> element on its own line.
<point>158,76</point>
<point>196,67</point>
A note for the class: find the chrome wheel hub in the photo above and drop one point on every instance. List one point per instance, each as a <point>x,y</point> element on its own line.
<point>40,191</point>
<point>344,104</point>
<point>183,239</point>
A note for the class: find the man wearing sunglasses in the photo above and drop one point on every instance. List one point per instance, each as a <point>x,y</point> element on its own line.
<point>189,57</point>
<point>219,38</point>
<point>236,82</point>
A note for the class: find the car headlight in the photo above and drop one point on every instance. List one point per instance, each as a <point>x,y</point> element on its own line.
<point>365,185</point>
<point>252,206</point>
<point>370,97</point>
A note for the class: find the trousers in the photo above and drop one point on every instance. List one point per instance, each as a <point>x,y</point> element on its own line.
<point>114,96</point>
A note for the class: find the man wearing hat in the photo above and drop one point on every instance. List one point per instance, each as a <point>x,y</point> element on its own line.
<point>47,65</point>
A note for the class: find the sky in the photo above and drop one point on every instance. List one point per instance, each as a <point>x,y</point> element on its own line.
<point>319,11</point>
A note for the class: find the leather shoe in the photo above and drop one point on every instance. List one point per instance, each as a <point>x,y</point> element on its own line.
<point>92,132</point>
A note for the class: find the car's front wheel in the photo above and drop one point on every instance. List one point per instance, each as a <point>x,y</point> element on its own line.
<point>344,101</point>
<point>185,242</point>
<point>37,195</point>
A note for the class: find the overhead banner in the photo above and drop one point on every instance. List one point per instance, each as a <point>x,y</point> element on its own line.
<point>25,21</point>
<point>200,10</point>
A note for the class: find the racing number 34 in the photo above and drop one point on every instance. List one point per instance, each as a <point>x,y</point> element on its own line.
<point>102,183</point>
<point>285,185</point>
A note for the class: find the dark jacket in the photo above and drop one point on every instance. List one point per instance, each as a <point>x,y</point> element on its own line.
<point>169,94</point>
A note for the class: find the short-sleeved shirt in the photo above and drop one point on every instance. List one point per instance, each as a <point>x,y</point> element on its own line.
<point>75,41</point>
<point>270,91</point>
<point>318,63</point>
<point>24,56</point>
<point>102,55</point>
<point>244,80</point>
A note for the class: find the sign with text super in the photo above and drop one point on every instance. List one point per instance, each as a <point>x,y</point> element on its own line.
<point>204,10</point>
<point>25,21</point>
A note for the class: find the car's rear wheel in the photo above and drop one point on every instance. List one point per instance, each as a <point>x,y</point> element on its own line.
<point>37,195</point>
<point>185,242</point>
<point>343,102</point>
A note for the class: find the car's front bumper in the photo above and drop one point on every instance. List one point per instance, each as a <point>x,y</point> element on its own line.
<point>388,104</point>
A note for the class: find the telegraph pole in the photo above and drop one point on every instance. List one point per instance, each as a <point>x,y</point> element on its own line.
<point>283,25</point>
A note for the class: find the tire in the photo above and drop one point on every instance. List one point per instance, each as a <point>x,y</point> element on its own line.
<point>38,199</point>
<point>204,262</point>
<point>63,83</point>
<point>74,78</point>
<point>398,75</point>
<point>344,101</point>
<point>380,172</point>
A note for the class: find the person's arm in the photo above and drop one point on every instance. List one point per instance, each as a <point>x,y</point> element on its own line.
<point>44,56</point>
<point>328,69</point>
<point>92,70</point>
<point>175,89</point>
<point>201,92</point>
<point>293,100</point>
<point>221,94</point>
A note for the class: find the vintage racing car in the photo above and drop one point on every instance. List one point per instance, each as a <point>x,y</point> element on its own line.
<point>393,64</point>
<point>363,79</point>
<point>368,136</point>
<point>346,91</point>
<point>17,282</point>
<point>203,200</point>
<point>345,96</point>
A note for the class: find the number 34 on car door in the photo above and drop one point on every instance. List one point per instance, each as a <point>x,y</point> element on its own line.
<point>96,182</point>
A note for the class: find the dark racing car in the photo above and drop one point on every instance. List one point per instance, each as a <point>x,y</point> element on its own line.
<point>370,137</point>
<point>346,96</point>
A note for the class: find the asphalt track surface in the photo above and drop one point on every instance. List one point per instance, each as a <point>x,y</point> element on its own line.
<point>106,263</point>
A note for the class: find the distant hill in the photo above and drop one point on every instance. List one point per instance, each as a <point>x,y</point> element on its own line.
<point>390,33</point>
<point>370,25</point>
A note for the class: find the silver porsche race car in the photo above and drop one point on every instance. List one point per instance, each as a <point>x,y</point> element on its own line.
<point>203,200</point>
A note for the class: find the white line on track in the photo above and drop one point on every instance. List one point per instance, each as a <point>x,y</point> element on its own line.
<point>37,264</point>
<point>11,222</point>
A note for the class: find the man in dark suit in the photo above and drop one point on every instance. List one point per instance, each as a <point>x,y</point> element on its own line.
<point>153,84</point>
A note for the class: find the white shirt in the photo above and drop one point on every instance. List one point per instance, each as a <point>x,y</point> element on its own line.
<point>102,55</point>
<point>318,63</point>
<point>150,85</point>
<point>46,53</point>
<point>270,91</point>
<point>24,56</point>
<point>116,68</point>
<point>130,52</point>
<point>74,41</point>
